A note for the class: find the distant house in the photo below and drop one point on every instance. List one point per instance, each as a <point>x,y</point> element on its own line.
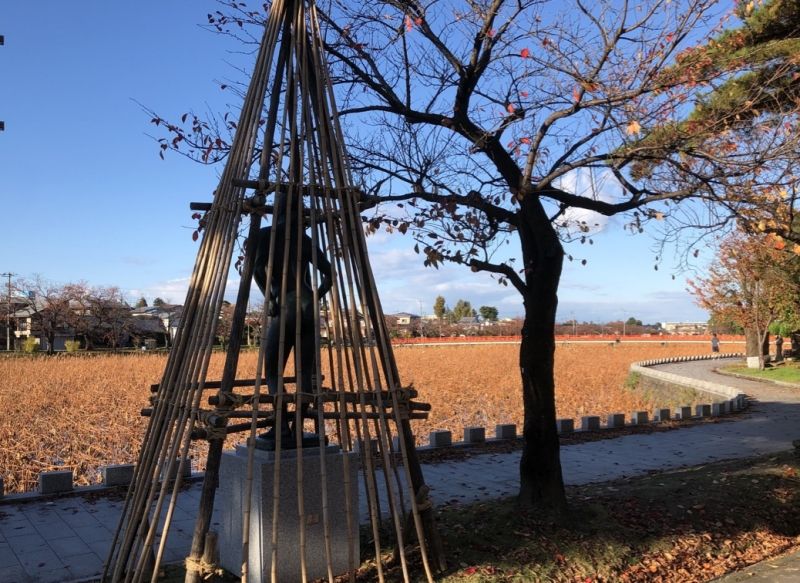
<point>405,319</point>
<point>34,321</point>
<point>8,323</point>
<point>403,324</point>
<point>168,314</point>
<point>327,325</point>
<point>470,323</point>
<point>148,331</point>
<point>684,327</point>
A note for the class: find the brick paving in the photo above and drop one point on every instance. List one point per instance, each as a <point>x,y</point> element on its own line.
<point>67,538</point>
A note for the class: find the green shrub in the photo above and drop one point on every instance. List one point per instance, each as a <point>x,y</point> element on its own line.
<point>632,382</point>
<point>72,345</point>
<point>30,345</point>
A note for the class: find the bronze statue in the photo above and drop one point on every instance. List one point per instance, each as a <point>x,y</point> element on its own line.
<point>298,241</point>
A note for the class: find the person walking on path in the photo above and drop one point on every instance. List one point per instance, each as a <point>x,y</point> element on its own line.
<point>714,342</point>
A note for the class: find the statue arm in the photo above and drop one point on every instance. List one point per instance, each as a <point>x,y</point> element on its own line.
<point>262,256</point>
<point>324,267</point>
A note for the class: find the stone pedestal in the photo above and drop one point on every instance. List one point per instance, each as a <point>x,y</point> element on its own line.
<point>233,475</point>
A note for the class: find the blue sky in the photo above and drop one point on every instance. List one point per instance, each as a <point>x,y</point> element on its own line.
<point>86,197</point>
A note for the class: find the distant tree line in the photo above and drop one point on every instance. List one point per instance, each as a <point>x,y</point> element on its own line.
<point>462,309</point>
<point>48,316</point>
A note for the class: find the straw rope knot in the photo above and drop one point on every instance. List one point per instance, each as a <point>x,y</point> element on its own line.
<point>423,500</point>
<point>216,433</point>
<point>232,400</point>
<point>205,569</point>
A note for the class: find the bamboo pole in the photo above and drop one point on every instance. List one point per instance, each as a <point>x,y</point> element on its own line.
<point>306,160</point>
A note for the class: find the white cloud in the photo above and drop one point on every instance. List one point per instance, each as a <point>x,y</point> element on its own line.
<point>592,184</point>
<point>406,285</point>
<point>173,291</point>
<point>658,306</point>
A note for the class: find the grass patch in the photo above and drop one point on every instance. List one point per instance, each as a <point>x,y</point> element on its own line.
<point>632,381</point>
<point>789,372</point>
<point>679,526</point>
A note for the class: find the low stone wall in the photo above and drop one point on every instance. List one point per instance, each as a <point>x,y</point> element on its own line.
<point>670,385</point>
<point>721,400</point>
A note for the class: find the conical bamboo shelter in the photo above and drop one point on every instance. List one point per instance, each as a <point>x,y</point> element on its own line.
<point>322,314</point>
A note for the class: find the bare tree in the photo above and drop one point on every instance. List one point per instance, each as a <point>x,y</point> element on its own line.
<point>110,315</point>
<point>50,309</point>
<point>491,122</point>
<point>224,323</point>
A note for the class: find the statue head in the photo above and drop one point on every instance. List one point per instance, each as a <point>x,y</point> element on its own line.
<point>286,207</point>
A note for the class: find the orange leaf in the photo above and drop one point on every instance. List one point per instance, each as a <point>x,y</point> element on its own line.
<point>525,53</point>
<point>510,108</point>
<point>524,140</point>
<point>633,128</point>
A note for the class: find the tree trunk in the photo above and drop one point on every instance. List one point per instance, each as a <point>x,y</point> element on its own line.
<point>757,344</point>
<point>541,482</point>
<point>753,342</point>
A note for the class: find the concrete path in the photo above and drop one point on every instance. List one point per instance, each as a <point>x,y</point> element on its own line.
<point>67,539</point>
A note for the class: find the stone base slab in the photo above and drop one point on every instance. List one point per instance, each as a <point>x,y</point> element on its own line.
<point>344,552</point>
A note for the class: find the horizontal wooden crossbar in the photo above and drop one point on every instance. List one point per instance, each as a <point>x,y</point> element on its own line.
<point>237,383</point>
<point>328,396</point>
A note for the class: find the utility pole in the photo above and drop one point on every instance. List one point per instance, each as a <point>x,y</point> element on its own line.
<point>9,275</point>
<point>2,123</point>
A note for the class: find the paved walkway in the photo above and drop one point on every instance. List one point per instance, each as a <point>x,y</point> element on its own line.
<point>67,539</point>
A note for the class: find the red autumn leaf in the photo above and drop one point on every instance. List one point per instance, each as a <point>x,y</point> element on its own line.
<point>525,53</point>
<point>418,21</point>
<point>576,93</point>
<point>510,108</point>
<point>525,141</point>
<point>491,32</point>
<point>523,94</point>
<point>409,23</point>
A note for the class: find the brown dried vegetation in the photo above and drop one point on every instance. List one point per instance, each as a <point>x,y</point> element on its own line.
<point>83,412</point>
